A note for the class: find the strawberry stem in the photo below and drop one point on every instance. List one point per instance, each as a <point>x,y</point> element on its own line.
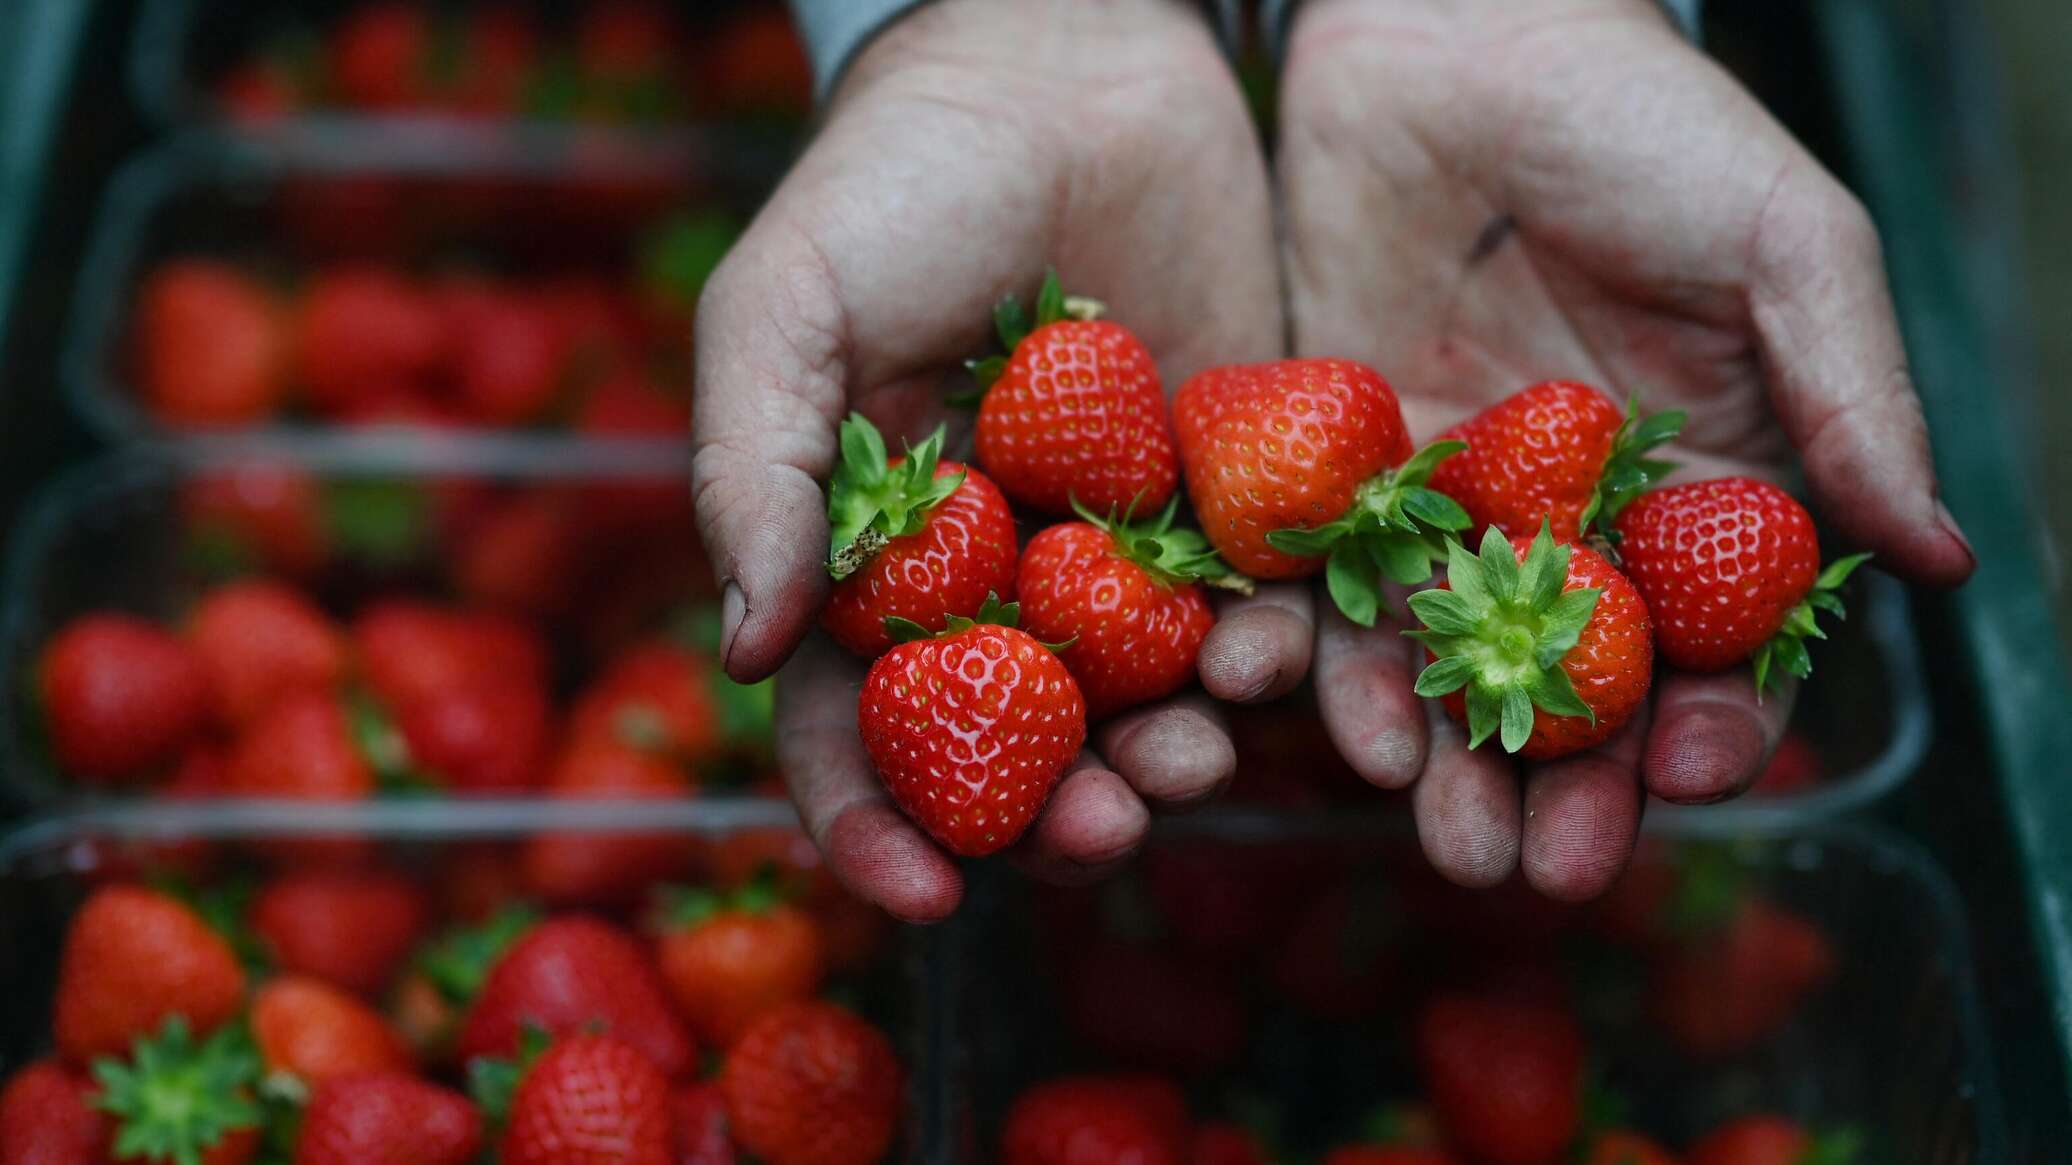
<point>1786,650</point>
<point>176,1098</point>
<point>1393,529</point>
<point>871,501</point>
<point>1012,326</point>
<point>1627,470</point>
<point>1174,557</point>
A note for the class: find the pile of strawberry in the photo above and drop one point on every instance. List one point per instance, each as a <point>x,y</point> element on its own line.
<point>1544,636</point>
<point>623,62</point>
<point>216,344</point>
<point>1296,991</point>
<point>326,1017</point>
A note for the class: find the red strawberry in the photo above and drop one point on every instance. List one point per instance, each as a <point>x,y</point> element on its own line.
<point>1340,958</point>
<point>1222,1143</point>
<point>1730,569</point>
<point>1624,1147</point>
<point>312,1031</point>
<point>1096,1120</point>
<point>302,747</point>
<point>525,556</point>
<point>1730,986</point>
<point>361,330</point>
<point>630,405</point>
<point>351,928</point>
<point>727,959</point>
<point>1303,465</point>
<point>623,41</point>
<point>1151,1008</point>
<point>1505,1076</point>
<point>1545,644</point>
<point>1795,767</point>
<point>387,1118</point>
<point>589,1098</point>
<point>606,868</point>
<point>485,737</point>
<point>809,1083</point>
<point>577,974</point>
<point>378,54</point>
<point>1074,412</point>
<point>1558,452</point>
<point>508,357</point>
<point>257,515</point>
<point>262,641</point>
<point>1771,1140</point>
<point>411,650</point>
<point>133,957</point>
<point>913,538</point>
<point>972,762</point>
<point>657,697</point>
<point>120,697</point>
<point>701,1126</point>
<point>260,93</point>
<point>447,974</point>
<point>209,345</point>
<point>48,1117</point>
<point>499,58</point>
<point>1126,599</point>
<point>757,65</point>
<point>178,1102</point>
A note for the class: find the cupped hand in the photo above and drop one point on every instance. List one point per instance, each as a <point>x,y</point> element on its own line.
<point>970,146</point>
<point>1479,195</point>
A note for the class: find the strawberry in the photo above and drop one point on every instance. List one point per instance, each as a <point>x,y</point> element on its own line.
<point>314,1032</point>
<point>1301,465</point>
<point>1623,1147</point>
<point>257,515</point>
<point>1223,1143</point>
<point>1505,1075</point>
<point>525,556</point>
<point>261,641</point>
<point>1339,960</point>
<point>1733,983</point>
<point>577,974</point>
<point>626,50</point>
<point>1772,1140</point>
<point>971,762</point>
<point>1795,767</point>
<point>1096,1120</point>
<point>701,1126</point>
<point>491,736</point>
<point>728,958</point>
<point>120,697</point>
<point>606,868</point>
<point>209,345</point>
<point>913,537</point>
<point>1126,599</point>
<point>1730,569</point>
<point>48,1116</point>
<point>657,697</point>
<point>350,928</point>
<point>508,357</point>
<point>378,54</point>
<point>757,66</point>
<point>387,1118</point>
<point>1074,412</point>
<point>447,974</point>
<point>132,957</point>
<point>499,57</point>
<point>1544,644</point>
<point>809,1083</point>
<point>1559,453</point>
<point>362,329</point>
<point>589,1098</point>
<point>302,747</point>
<point>410,650</point>
<point>261,93</point>
<point>631,405</point>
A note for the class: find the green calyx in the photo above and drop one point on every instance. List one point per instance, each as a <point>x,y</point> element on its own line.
<point>458,961</point>
<point>679,256</point>
<point>493,1081</point>
<point>871,501</point>
<point>1711,885</point>
<point>1395,529</point>
<point>177,1097</point>
<point>1628,470</point>
<point>1501,633</point>
<point>1172,556</point>
<point>1835,1147</point>
<point>1012,325</point>
<point>689,907</point>
<point>1786,650</point>
<point>992,612</point>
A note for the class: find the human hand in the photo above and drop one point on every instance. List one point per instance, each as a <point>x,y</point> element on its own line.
<point>970,146</point>
<point>1479,195</point>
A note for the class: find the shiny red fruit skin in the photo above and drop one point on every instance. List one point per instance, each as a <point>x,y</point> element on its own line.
<point>1611,665</point>
<point>1751,1140</point>
<point>809,1083</point>
<point>948,567</point>
<point>351,928</point>
<point>656,697</point>
<point>410,650</point>
<point>387,1118</point>
<point>1134,638</point>
<point>120,697</point>
<point>590,1100</point>
<point>592,868</point>
<point>489,737</point>
<point>734,966</point>
<point>301,748</point>
<point>308,1029</point>
<point>701,1126</point>
<point>208,346</point>
<point>47,1117</point>
<point>573,974</point>
<point>133,957</point>
<point>970,732</point>
<point>361,330</point>
<point>1079,413</point>
<point>1505,1076</point>
<point>1534,455</point>
<point>1097,1120</point>
<point>1720,563</point>
<point>261,640</point>
<point>508,356</point>
<point>1279,445</point>
<point>1723,993</point>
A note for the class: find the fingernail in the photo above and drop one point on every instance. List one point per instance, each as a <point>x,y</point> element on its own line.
<point>1948,522</point>
<point>732,609</point>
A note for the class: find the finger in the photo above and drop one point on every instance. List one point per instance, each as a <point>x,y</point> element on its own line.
<point>1838,378</point>
<point>1364,679</point>
<point>769,391</point>
<point>1259,648</point>
<point>1173,754</point>
<point>1582,815</point>
<point>1711,738</point>
<point>877,852</point>
<point>1092,825</point>
<point>1466,806</point>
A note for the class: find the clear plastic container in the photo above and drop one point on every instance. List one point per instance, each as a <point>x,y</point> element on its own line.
<point>49,865</point>
<point>519,204</point>
<point>1892,1046</point>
